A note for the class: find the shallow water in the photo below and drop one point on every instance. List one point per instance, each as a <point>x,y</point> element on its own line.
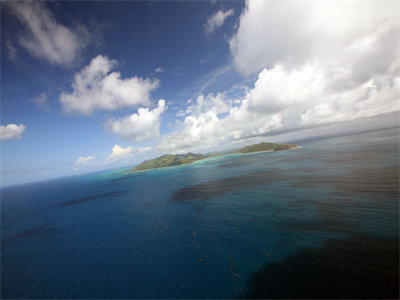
<point>258,225</point>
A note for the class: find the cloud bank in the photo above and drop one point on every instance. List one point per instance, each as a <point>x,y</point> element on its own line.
<point>11,131</point>
<point>293,33</point>
<point>96,88</point>
<point>317,63</point>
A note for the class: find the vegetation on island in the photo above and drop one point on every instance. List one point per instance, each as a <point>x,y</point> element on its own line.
<point>171,160</point>
<point>266,147</point>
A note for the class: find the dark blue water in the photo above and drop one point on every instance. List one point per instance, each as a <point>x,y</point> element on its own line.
<point>261,225</point>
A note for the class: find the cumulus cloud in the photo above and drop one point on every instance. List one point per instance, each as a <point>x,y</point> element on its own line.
<point>312,70</point>
<point>143,125</point>
<point>211,102</point>
<point>45,38</point>
<point>317,62</point>
<point>83,161</point>
<point>159,70</point>
<point>197,131</point>
<point>292,32</point>
<point>283,100</point>
<point>119,153</point>
<point>11,131</point>
<point>217,20</point>
<point>95,87</point>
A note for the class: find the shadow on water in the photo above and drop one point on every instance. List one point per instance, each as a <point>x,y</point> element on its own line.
<point>211,189</point>
<point>246,160</point>
<point>42,231</point>
<point>360,267</point>
<point>123,178</point>
<point>89,198</point>
<point>380,181</point>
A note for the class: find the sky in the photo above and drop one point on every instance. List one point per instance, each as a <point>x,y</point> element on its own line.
<point>96,85</point>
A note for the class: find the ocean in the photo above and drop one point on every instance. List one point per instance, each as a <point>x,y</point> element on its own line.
<point>321,221</point>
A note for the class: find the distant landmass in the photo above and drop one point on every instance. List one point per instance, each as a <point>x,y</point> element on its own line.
<point>171,160</point>
<point>266,147</point>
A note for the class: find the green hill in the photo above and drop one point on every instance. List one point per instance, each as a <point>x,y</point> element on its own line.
<point>168,160</point>
<point>266,147</point>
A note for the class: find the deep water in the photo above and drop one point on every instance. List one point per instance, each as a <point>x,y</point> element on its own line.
<point>321,221</point>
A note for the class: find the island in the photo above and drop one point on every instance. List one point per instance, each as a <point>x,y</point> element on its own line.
<point>267,147</point>
<point>169,160</point>
<point>172,160</point>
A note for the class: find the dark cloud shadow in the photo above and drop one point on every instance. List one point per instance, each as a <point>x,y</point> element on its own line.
<point>123,178</point>
<point>40,231</point>
<point>361,267</point>
<point>89,198</point>
<point>217,188</point>
<point>379,181</point>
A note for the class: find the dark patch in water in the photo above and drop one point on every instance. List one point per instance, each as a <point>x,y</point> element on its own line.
<point>217,188</point>
<point>246,160</point>
<point>43,231</point>
<point>359,157</point>
<point>361,267</point>
<point>150,204</point>
<point>126,177</point>
<point>199,209</point>
<point>89,198</point>
<point>382,182</point>
<point>362,191</point>
<point>331,216</point>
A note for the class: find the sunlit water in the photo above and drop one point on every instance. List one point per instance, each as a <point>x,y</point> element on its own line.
<point>281,224</point>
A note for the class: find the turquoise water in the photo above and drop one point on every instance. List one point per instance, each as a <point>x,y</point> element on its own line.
<point>226,227</point>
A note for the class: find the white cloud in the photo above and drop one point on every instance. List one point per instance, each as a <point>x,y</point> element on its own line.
<point>279,88</point>
<point>211,102</point>
<point>282,100</point>
<point>95,87</point>
<point>159,70</point>
<point>198,131</point>
<point>11,50</point>
<point>292,33</point>
<point>45,38</point>
<point>83,161</point>
<point>42,102</point>
<point>143,125</point>
<point>216,20</point>
<point>317,63</point>
<point>11,131</point>
<point>119,153</point>
<point>323,73</point>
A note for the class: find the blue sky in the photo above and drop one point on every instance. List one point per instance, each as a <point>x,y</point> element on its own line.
<point>87,86</point>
